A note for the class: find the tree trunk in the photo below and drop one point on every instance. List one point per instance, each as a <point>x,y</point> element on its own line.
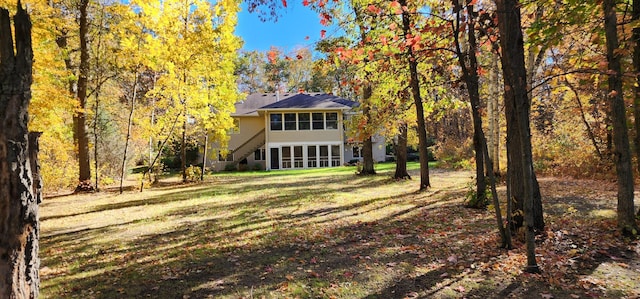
<point>470,77</point>
<point>583,117</point>
<point>19,170</point>
<point>79,119</point>
<point>162,144</point>
<point>401,154</point>
<point>621,150</point>
<point>636,66</point>
<point>518,106</point>
<point>367,142</point>
<point>414,83</point>
<point>129,124</point>
<point>494,117</point>
<point>204,155</point>
<point>183,150</point>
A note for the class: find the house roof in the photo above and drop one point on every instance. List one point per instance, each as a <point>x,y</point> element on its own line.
<point>307,101</point>
<point>269,101</point>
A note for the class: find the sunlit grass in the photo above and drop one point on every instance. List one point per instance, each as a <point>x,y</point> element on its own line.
<point>326,233</point>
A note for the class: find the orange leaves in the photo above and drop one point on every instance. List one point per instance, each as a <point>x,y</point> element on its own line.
<point>272,55</point>
<point>325,19</point>
<point>396,7</point>
<point>305,2</point>
<point>374,9</point>
<point>383,40</point>
<point>284,3</point>
<point>323,33</point>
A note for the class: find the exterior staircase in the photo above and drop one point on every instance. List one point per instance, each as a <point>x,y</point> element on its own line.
<point>249,147</point>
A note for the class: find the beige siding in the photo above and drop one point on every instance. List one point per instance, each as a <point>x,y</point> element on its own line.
<point>318,136</point>
<point>249,127</point>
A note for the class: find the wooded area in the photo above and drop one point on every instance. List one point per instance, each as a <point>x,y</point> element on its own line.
<point>513,90</point>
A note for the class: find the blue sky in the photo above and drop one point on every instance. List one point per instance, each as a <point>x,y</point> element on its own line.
<point>295,24</point>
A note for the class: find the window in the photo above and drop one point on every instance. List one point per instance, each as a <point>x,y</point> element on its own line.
<point>324,156</point>
<point>318,121</point>
<point>298,161</point>
<point>286,157</point>
<point>236,127</point>
<point>228,157</point>
<point>290,121</point>
<point>357,152</point>
<point>276,121</point>
<point>335,155</point>
<point>304,121</point>
<point>332,121</point>
<point>312,156</point>
<point>259,155</point>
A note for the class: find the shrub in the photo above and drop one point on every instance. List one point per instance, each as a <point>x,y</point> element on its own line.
<point>230,167</point>
<point>193,173</point>
<point>454,154</point>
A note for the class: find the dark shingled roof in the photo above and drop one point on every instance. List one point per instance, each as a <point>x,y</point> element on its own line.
<point>255,101</point>
<point>307,101</point>
<point>264,101</point>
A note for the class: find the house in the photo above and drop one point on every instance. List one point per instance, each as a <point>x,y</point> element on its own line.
<point>294,130</point>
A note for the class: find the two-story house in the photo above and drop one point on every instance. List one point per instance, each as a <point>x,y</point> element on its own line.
<point>295,130</point>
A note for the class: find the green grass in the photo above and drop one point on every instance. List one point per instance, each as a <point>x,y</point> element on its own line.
<point>322,233</point>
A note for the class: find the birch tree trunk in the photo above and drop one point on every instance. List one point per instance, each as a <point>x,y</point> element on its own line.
<point>19,179</point>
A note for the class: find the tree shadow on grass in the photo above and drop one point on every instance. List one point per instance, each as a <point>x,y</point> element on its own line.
<point>304,255</point>
<point>418,245</point>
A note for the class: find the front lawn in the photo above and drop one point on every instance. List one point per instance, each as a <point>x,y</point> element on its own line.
<point>325,234</point>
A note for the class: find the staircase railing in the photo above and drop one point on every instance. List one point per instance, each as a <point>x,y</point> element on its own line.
<point>248,147</point>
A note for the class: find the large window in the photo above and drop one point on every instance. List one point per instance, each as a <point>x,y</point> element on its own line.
<point>286,157</point>
<point>312,156</point>
<point>276,121</point>
<point>324,156</point>
<point>318,121</point>
<point>304,121</point>
<point>290,121</point>
<point>332,121</point>
<point>335,155</point>
<point>298,161</point>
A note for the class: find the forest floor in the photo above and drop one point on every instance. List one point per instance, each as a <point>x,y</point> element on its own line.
<point>328,234</point>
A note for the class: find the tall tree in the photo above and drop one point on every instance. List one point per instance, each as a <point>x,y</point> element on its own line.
<point>80,133</point>
<point>78,82</point>
<point>250,71</point>
<point>635,16</point>
<point>622,152</point>
<point>414,84</point>
<point>468,62</point>
<point>19,179</point>
<point>517,107</point>
<point>194,45</point>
